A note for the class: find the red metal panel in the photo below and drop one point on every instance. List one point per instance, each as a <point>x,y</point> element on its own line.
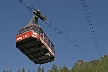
<point>23,36</point>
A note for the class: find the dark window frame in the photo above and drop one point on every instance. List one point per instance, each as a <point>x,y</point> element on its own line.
<point>45,38</point>
<point>49,43</point>
<point>41,32</point>
<point>35,29</point>
<point>24,29</point>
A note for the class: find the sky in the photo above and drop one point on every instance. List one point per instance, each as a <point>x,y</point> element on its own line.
<point>69,18</point>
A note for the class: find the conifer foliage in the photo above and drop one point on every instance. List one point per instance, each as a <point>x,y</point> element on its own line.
<point>100,65</point>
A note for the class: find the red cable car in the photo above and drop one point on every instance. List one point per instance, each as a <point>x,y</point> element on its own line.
<point>33,42</point>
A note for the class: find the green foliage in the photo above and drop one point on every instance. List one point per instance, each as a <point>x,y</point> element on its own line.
<point>10,70</point>
<point>23,70</point>
<point>4,71</point>
<point>42,69</point>
<point>28,71</point>
<point>53,69</point>
<point>100,65</point>
<point>19,70</point>
<point>39,69</point>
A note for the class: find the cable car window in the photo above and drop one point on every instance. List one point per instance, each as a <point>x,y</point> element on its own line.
<point>35,28</point>
<point>40,32</point>
<point>52,47</point>
<point>48,42</point>
<point>53,50</point>
<point>24,30</point>
<point>45,38</point>
<point>20,32</point>
<point>28,29</point>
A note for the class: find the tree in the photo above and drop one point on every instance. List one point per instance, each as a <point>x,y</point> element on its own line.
<point>65,69</point>
<point>19,70</point>
<point>39,69</point>
<point>4,71</point>
<point>100,65</point>
<point>10,70</point>
<point>28,70</point>
<point>23,70</point>
<point>42,69</point>
<point>54,68</point>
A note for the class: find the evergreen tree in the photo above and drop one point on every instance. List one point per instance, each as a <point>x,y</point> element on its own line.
<point>19,70</point>
<point>39,69</point>
<point>54,68</point>
<point>10,70</point>
<point>42,69</point>
<point>100,65</point>
<point>4,71</point>
<point>23,70</point>
<point>49,71</point>
<point>92,66</point>
<point>28,70</point>
<point>65,69</point>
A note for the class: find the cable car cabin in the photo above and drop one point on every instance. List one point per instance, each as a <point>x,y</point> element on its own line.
<point>33,42</point>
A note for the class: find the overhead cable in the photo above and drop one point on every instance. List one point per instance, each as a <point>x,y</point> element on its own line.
<point>88,17</point>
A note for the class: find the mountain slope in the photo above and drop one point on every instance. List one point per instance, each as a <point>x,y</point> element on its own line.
<point>100,65</point>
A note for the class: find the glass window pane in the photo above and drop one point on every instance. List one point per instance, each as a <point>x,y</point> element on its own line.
<point>52,47</point>
<point>27,29</point>
<point>48,42</point>
<point>45,38</point>
<point>35,28</point>
<point>40,32</point>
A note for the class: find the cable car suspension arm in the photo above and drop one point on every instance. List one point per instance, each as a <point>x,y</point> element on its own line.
<point>34,20</point>
<point>31,9</point>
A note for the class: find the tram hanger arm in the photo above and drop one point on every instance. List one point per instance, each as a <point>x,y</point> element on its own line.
<point>38,14</point>
<point>32,9</point>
